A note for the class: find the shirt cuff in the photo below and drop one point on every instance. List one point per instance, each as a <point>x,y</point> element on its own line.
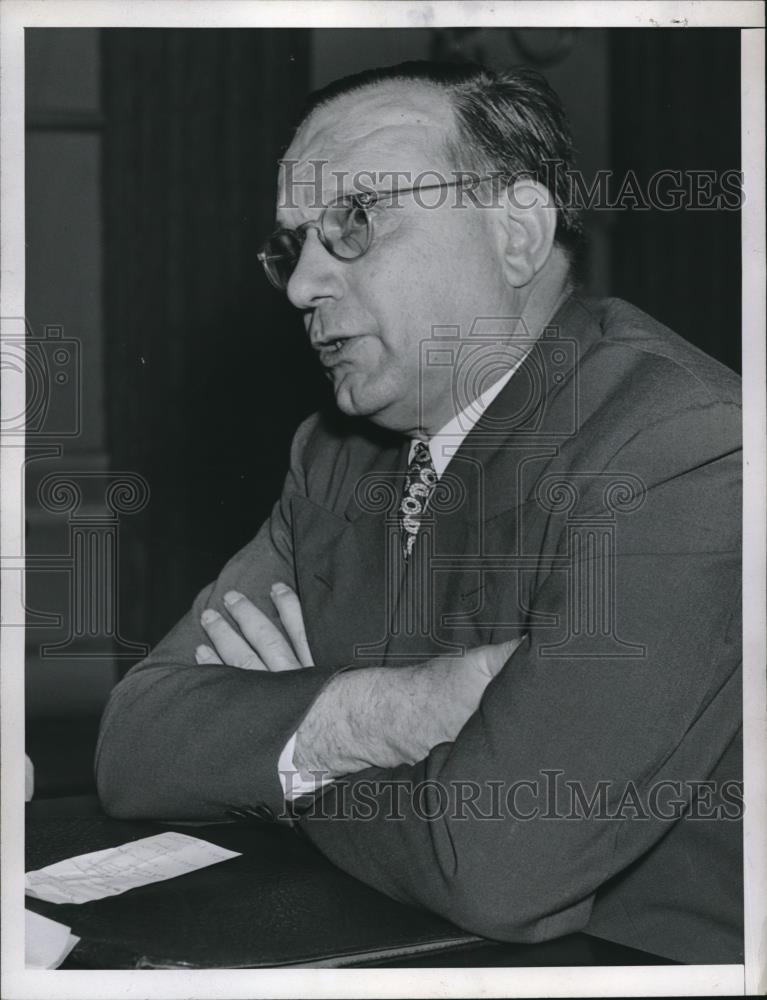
<point>293,785</point>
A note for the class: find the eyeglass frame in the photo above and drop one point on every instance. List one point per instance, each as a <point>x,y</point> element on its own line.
<point>318,224</point>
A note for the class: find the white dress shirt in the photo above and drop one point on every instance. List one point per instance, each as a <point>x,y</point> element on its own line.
<point>442,446</point>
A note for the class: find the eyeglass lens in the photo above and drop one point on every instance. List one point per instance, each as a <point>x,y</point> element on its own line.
<point>344,230</point>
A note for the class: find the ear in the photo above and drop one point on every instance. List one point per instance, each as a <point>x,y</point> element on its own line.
<point>529,220</point>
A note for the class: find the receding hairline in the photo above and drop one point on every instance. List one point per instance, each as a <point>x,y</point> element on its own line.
<point>435,108</point>
<point>512,123</point>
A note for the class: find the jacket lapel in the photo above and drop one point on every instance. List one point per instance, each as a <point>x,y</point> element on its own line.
<point>344,577</point>
<point>488,544</point>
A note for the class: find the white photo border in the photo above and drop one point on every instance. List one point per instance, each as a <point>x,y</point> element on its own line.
<point>748,979</point>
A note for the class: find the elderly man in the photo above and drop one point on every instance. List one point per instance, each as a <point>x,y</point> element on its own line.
<point>485,651</point>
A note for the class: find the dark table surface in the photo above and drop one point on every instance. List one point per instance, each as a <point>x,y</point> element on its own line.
<point>280,904</point>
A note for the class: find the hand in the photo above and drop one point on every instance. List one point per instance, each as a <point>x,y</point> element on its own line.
<point>382,717</point>
<point>259,645</point>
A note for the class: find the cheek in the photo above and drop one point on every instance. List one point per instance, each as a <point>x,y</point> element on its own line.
<point>430,273</point>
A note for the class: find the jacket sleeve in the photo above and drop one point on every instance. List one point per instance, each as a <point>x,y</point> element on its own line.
<point>510,830</point>
<point>182,741</point>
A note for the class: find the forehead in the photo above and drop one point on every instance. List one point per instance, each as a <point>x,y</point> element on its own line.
<point>396,126</point>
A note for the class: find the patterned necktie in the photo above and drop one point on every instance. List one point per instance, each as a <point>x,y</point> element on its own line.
<point>419,484</point>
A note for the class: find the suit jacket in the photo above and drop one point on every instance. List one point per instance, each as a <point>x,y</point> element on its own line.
<point>595,508</point>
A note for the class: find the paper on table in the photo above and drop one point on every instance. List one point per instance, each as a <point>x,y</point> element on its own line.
<point>46,942</point>
<point>117,869</point>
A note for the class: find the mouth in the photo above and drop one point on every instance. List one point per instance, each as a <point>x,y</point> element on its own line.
<point>333,351</point>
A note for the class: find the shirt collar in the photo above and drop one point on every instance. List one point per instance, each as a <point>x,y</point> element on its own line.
<point>446,442</point>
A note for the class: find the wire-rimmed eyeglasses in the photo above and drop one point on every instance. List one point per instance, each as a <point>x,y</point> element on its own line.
<point>344,228</point>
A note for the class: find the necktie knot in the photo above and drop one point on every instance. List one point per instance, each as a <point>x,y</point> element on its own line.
<point>419,483</point>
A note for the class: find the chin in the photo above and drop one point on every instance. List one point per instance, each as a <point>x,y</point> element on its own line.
<point>365,406</point>
<point>373,402</point>
<point>357,400</point>
<point>351,406</point>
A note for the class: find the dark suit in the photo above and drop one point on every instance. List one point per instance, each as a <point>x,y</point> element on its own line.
<point>596,508</point>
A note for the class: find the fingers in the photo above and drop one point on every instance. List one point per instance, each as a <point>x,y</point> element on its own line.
<point>260,634</point>
<point>204,654</point>
<point>289,609</point>
<point>259,644</point>
<point>232,649</point>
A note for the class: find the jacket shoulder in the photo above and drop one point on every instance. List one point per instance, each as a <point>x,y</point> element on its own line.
<point>670,372</point>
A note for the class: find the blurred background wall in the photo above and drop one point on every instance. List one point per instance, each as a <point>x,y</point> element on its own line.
<point>150,183</point>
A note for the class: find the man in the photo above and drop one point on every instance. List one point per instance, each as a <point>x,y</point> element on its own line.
<point>487,644</point>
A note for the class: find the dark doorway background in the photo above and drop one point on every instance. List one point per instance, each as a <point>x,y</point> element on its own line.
<point>207,371</point>
<point>195,372</point>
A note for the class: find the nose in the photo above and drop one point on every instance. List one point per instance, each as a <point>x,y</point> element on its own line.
<point>317,275</point>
